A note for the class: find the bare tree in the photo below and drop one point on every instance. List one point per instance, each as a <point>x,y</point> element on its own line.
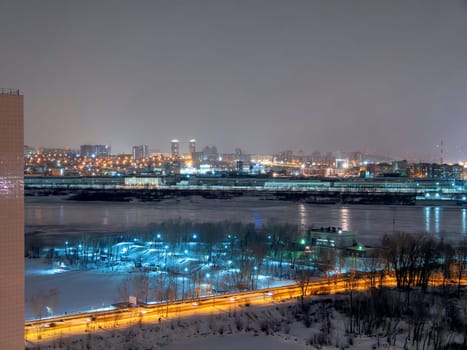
<point>351,285</point>
<point>141,285</point>
<point>460,267</point>
<point>426,262</point>
<point>303,277</point>
<point>375,267</point>
<point>403,256</point>
<point>446,257</point>
<point>326,260</point>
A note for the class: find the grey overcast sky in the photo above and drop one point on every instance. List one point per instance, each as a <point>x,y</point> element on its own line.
<point>377,76</point>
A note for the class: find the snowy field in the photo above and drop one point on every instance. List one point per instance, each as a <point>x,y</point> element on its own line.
<point>76,291</point>
<point>238,341</point>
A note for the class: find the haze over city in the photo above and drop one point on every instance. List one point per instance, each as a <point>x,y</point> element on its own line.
<point>380,77</point>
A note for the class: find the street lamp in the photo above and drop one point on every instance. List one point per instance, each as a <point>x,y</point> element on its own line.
<point>213,294</point>
<point>183,283</point>
<point>255,277</point>
<point>166,253</point>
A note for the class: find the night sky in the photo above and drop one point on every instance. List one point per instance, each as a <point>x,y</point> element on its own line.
<point>377,76</point>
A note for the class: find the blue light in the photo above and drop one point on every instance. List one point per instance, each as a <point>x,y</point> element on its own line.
<point>257,219</point>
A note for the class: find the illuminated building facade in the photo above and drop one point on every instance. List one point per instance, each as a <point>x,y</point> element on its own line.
<point>192,146</point>
<point>175,148</point>
<point>95,150</point>
<point>140,151</point>
<point>11,220</point>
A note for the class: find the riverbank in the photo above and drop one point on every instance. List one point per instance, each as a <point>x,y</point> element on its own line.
<point>162,194</point>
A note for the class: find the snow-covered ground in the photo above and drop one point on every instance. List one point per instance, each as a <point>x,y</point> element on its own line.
<point>237,341</point>
<point>65,291</point>
<point>319,323</point>
<point>75,291</point>
<point>276,327</point>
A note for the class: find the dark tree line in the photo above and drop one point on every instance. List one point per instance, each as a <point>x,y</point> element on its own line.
<point>417,259</point>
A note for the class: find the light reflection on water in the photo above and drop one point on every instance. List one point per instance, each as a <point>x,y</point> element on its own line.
<point>370,222</point>
<point>105,218</point>
<point>37,213</point>
<point>302,213</point>
<point>437,220</point>
<point>345,219</point>
<point>61,218</point>
<point>464,221</point>
<point>427,219</point>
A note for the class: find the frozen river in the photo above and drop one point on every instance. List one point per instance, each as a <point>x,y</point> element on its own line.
<point>55,217</point>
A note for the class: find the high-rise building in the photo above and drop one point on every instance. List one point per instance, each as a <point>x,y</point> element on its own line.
<point>210,154</point>
<point>175,148</point>
<point>95,150</point>
<point>192,146</point>
<point>285,156</point>
<point>11,220</point>
<point>140,151</point>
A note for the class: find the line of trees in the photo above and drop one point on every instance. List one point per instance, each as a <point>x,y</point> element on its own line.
<point>416,259</point>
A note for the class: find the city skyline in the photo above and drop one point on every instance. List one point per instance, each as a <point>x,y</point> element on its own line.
<point>186,148</point>
<point>264,76</point>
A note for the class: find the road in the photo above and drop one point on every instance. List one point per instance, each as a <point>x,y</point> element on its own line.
<point>61,327</point>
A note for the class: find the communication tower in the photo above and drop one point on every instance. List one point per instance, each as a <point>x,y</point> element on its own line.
<point>441,152</point>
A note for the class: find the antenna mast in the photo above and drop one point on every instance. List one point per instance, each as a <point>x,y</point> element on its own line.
<point>441,152</point>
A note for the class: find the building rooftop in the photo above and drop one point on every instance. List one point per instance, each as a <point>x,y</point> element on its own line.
<point>8,91</point>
